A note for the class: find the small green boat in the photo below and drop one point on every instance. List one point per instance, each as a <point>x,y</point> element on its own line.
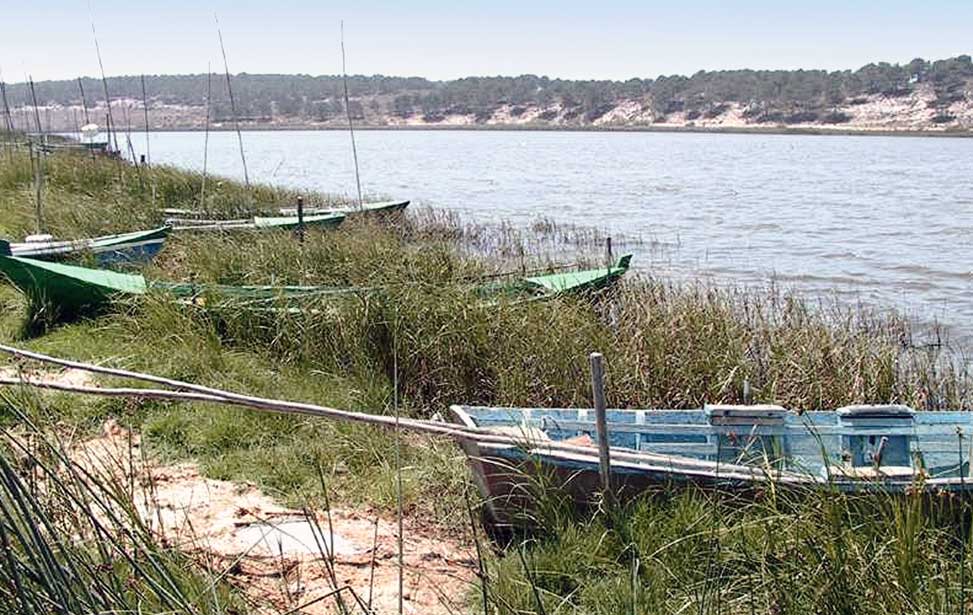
<point>378,208</point>
<point>258,223</point>
<point>556,284</point>
<point>74,290</point>
<point>185,217</point>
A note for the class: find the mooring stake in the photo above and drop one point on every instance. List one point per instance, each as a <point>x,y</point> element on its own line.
<point>300,218</point>
<point>601,422</point>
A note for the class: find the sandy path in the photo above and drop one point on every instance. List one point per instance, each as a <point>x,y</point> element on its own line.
<point>274,554</point>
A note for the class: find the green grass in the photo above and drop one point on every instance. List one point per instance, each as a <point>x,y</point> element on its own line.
<point>695,553</point>
<point>666,345</point>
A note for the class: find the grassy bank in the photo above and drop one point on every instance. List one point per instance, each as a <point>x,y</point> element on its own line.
<point>666,345</point>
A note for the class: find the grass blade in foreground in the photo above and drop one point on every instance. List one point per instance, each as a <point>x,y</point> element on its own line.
<point>73,542</point>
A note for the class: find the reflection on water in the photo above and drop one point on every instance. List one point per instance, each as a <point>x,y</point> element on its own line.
<point>881,220</point>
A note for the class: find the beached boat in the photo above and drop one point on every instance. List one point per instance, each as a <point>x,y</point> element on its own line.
<point>190,219</point>
<point>75,290</point>
<point>257,223</point>
<point>888,448</point>
<point>137,247</point>
<point>555,284</point>
<point>377,208</point>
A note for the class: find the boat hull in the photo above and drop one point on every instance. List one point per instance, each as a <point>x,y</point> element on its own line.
<point>889,449</point>
<point>370,209</point>
<point>284,223</point>
<point>108,251</point>
<point>71,290</point>
<point>68,290</point>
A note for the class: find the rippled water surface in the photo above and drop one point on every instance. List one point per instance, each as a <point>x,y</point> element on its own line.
<point>883,220</point>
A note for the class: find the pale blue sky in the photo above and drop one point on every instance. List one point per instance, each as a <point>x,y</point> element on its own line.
<point>442,39</point>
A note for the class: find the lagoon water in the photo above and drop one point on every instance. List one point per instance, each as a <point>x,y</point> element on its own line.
<point>885,221</point>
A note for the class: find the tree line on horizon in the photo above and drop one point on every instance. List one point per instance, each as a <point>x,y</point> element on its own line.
<point>777,96</point>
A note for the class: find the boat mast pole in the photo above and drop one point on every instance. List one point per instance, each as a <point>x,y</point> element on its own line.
<point>84,107</point>
<point>209,96</point>
<point>229,90</point>
<point>8,119</point>
<point>351,126</point>
<point>84,102</point>
<point>104,83</point>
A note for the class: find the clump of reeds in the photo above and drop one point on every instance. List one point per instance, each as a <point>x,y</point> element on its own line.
<point>670,345</point>
<point>73,541</point>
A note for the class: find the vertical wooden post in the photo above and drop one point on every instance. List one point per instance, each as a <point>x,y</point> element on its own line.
<point>601,421</point>
<point>300,218</point>
<point>35,165</point>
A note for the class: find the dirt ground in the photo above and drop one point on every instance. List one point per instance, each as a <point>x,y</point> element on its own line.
<point>71,377</point>
<point>281,557</point>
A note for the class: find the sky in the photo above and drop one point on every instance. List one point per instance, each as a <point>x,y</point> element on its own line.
<point>445,39</point>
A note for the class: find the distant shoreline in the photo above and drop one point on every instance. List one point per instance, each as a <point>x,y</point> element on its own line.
<point>748,130</point>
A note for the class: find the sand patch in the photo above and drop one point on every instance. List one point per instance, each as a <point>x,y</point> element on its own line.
<point>282,557</point>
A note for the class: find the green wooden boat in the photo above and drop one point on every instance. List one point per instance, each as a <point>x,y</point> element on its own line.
<point>378,208</point>
<point>258,223</point>
<point>191,216</point>
<point>552,285</point>
<point>74,290</point>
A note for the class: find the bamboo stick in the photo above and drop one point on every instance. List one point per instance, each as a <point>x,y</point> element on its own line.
<point>229,90</point>
<point>199,393</point>
<point>351,126</point>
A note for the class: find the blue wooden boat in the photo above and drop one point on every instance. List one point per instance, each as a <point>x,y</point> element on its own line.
<point>107,251</point>
<point>888,448</point>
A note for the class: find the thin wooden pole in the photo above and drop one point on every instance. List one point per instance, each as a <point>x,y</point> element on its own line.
<point>601,421</point>
<point>963,539</point>
<point>398,462</point>
<point>209,96</point>
<point>351,125</point>
<point>39,169</point>
<point>35,164</point>
<point>229,90</point>
<point>104,84</point>
<point>300,218</point>
<point>128,138</point>
<point>84,101</point>
<point>6,107</point>
<point>145,111</point>
<point>37,113</point>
